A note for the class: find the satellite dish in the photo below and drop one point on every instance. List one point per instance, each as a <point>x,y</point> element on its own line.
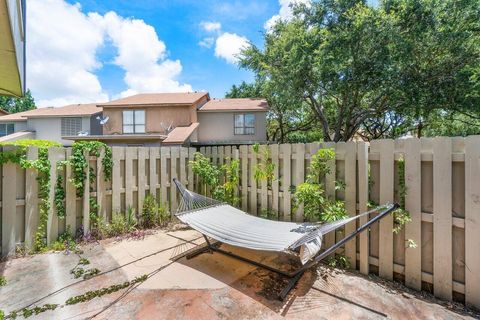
<point>82,133</point>
<point>103,120</point>
<point>167,128</point>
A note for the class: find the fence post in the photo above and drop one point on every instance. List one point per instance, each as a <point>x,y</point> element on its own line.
<point>174,155</point>
<point>86,195</point>
<point>362,155</point>
<point>102,214</point>
<point>351,200</point>
<point>244,169</point>
<point>472,221</point>
<point>413,229</point>
<point>299,175</point>
<point>54,155</point>
<point>253,182</point>
<point>275,181</point>
<point>117,154</point>
<point>130,154</point>
<point>442,217</point>
<point>141,177</point>
<point>31,200</point>
<point>9,206</point>
<point>385,259</point>
<point>286,150</point>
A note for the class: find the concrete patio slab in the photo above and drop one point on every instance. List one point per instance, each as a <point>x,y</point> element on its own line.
<point>209,286</point>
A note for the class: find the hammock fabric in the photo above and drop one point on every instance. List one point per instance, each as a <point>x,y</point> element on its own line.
<point>230,225</point>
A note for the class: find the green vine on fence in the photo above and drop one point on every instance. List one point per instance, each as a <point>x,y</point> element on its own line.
<point>79,162</point>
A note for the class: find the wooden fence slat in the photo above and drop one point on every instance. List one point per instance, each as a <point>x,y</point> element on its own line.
<point>364,252</point>
<point>244,179</point>
<point>9,206</point>
<point>86,197</point>
<point>101,200</point>
<point>236,156</point>
<point>472,221</point>
<point>351,200</point>
<point>54,155</point>
<point>117,154</point>
<point>274,148</point>
<point>263,182</point>
<point>330,192</point>
<point>253,182</point>
<point>191,180</point>
<point>183,167</point>
<point>142,178</point>
<point>442,218</point>
<point>70,197</point>
<point>164,153</point>
<point>385,246</point>
<point>130,154</point>
<point>413,229</point>
<point>31,200</point>
<point>174,154</point>
<point>286,150</point>
<point>299,174</point>
<point>154,154</point>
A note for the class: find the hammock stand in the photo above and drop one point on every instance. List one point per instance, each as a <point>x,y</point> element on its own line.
<point>189,205</point>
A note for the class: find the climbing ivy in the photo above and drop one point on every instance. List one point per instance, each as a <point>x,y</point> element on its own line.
<point>311,193</point>
<point>60,198</point>
<point>79,162</point>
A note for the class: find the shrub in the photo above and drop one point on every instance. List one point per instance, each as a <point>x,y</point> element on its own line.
<point>149,212</point>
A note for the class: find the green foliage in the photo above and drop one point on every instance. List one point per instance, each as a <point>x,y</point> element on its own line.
<point>3,281</point>
<point>80,165</point>
<point>60,197</point>
<point>101,292</point>
<point>338,261</point>
<point>149,212</point>
<point>36,310</point>
<point>263,170</point>
<point>311,193</point>
<point>209,174</point>
<point>65,241</point>
<point>401,216</point>
<point>378,71</point>
<point>14,105</point>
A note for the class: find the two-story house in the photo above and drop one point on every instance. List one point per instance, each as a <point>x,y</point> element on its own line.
<point>151,119</point>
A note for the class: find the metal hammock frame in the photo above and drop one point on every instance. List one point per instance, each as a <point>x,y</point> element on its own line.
<point>192,201</point>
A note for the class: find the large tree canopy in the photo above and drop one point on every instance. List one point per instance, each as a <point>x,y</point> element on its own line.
<point>378,71</point>
<point>14,105</point>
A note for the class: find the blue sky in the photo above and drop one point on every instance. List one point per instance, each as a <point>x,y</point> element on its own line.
<point>82,51</point>
<point>177,23</point>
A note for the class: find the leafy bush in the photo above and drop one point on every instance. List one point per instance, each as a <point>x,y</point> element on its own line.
<point>3,281</point>
<point>312,195</point>
<point>149,212</point>
<point>120,224</point>
<point>210,174</point>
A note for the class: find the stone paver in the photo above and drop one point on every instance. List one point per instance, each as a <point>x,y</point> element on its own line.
<point>209,286</point>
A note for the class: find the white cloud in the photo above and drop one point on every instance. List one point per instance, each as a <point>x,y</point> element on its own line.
<point>61,60</point>
<point>142,55</point>
<point>206,42</point>
<point>285,13</point>
<point>210,26</point>
<point>229,45</point>
<point>61,55</point>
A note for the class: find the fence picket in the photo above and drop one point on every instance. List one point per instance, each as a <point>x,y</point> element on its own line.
<point>118,154</point>
<point>31,200</point>
<point>472,221</point>
<point>330,189</point>
<point>244,179</point>
<point>164,153</point>
<point>442,217</point>
<point>299,174</point>
<point>263,183</point>
<point>286,150</point>
<point>351,200</point>
<point>9,206</point>
<point>142,157</point>
<point>364,252</point>
<point>130,154</point>
<point>413,230</point>
<point>275,182</point>
<point>174,155</point>
<point>385,247</point>
<point>154,154</point>
<point>253,183</point>
<point>100,180</point>
<point>86,197</point>
<point>54,155</point>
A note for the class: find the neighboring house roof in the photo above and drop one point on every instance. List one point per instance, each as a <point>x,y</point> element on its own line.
<point>180,134</point>
<point>237,104</point>
<point>20,135</point>
<point>72,110</point>
<point>182,98</point>
<point>3,112</point>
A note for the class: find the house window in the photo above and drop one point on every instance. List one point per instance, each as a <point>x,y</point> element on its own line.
<point>134,121</point>
<point>6,129</point>
<point>71,126</point>
<point>245,124</point>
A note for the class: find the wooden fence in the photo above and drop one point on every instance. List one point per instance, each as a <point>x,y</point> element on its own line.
<point>442,178</point>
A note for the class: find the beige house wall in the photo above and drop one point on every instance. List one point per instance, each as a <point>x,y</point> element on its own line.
<point>219,126</point>
<point>51,128</point>
<point>154,117</point>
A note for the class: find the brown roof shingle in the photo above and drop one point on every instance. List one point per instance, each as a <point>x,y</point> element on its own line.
<point>180,134</point>
<point>71,110</point>
<point>182,98</point>
<point>235,104</point>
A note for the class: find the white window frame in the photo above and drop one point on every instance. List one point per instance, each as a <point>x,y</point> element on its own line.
<point>137,126</point>
<point>243,129</point>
